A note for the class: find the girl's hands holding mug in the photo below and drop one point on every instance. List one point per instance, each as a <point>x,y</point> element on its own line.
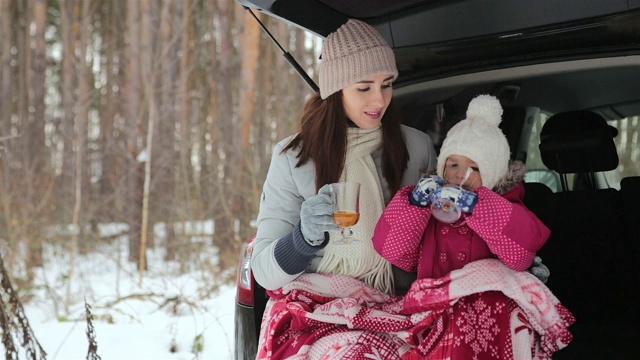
<point>425,191</point>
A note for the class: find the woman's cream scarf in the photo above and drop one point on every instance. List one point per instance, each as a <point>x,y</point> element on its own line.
<point>360,260</point>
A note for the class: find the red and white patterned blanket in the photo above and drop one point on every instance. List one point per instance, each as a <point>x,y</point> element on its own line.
<point>482,311</point>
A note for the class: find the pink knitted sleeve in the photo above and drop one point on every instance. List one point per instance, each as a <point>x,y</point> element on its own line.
<point>398,234</point>
<point>511,231</point>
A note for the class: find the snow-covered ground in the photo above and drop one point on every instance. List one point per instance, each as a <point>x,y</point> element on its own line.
<point>173,312</point>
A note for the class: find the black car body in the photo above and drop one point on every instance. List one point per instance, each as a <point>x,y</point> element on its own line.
<point>540,58</point>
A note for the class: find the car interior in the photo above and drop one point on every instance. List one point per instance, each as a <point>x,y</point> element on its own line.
<point>593,251</point>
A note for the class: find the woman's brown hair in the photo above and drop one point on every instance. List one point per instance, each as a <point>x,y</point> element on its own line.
<point>323,139</point>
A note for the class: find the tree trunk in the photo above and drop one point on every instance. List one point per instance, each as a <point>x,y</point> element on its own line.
<point>69,33</point>
<point>36,171</point>
<point>135,173</point>
<point>82,106</point>
<point>148,82</point>
<point>214,112</point>
<point>184,112</point>
<point>164,182</point>
<point>224,91</point>
<point>7,79</point>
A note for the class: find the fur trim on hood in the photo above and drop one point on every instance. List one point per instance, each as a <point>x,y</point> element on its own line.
<point>514,175</point>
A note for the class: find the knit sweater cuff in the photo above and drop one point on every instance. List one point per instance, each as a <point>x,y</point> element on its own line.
<point>293,253</point>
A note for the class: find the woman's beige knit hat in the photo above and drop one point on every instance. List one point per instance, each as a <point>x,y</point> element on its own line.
<point>352,53</point>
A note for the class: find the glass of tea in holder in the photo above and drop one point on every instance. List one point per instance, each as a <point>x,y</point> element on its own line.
<point>347,213</point>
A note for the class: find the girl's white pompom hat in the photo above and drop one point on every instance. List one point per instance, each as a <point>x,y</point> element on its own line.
<point>479,138</point>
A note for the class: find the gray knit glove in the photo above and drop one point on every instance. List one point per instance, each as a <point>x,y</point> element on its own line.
<point>539,270</point>
<point>316,216</point>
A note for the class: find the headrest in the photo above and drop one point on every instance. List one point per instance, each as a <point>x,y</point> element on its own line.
<point>578,142</point>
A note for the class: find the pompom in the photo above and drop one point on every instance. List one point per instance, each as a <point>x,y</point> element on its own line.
<point>485,107</point>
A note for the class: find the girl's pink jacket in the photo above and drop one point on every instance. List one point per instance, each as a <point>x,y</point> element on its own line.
<point>500,227</point>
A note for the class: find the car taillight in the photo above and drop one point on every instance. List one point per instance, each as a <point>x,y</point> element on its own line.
<point>244,294</point>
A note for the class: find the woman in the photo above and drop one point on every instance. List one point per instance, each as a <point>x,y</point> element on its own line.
<point>349,132</point>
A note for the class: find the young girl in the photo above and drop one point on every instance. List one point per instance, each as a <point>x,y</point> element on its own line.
<point>475,153</point>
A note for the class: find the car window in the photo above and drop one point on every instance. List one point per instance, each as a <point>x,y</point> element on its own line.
<point>627,145</point>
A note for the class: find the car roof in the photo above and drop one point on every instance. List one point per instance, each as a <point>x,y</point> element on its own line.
<point>442,39</point>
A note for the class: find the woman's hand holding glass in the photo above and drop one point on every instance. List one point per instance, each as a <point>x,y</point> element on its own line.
<point>316,216</point>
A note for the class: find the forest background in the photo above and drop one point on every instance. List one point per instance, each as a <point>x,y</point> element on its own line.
<point>139,112</point>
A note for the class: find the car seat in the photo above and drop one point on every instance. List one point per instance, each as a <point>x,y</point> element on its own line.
<point>578,142</point>
<point>592,272</point>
